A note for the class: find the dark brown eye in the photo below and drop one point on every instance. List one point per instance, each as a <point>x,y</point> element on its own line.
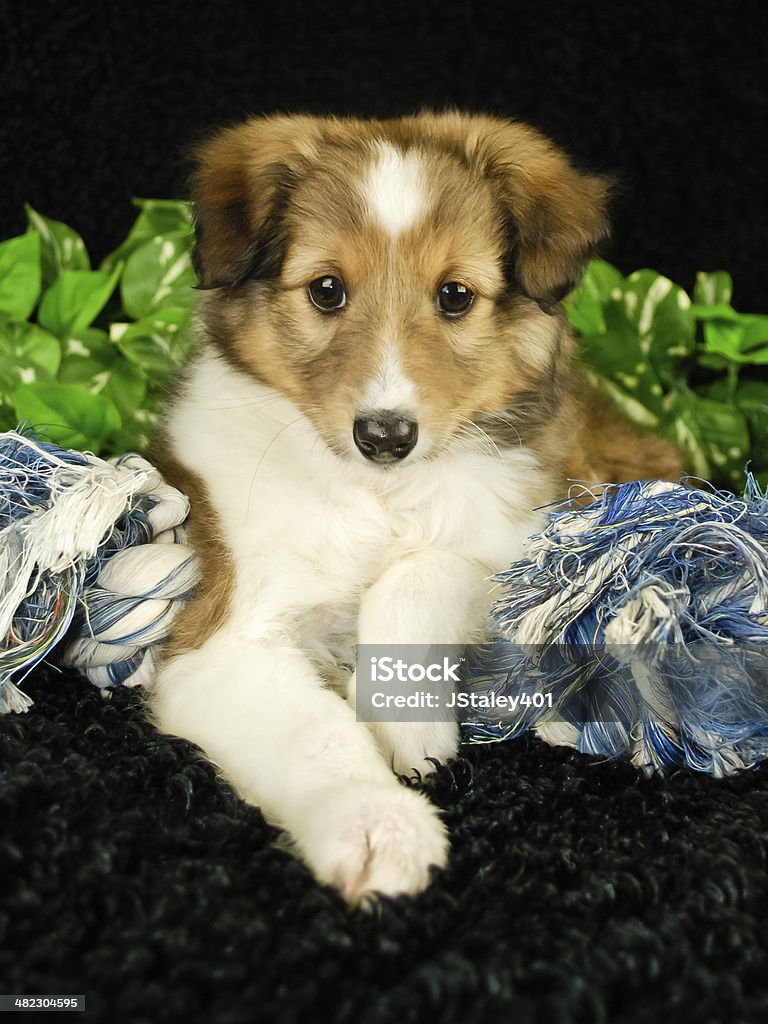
<point>327,293</point>
<point>454,298</point>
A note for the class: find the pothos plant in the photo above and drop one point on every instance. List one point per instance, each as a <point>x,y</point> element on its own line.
<point>691,368</point>
<point>87,353</point>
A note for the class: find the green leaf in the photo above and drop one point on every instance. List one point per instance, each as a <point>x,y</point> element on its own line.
<point>585,313</point>
<point>714,434</point>
<point>617,356</point>
<point>625,403</point>
<point>600,280</point>
<point>752,396</point>
<point>723,338</point>
<point>127,387</point>
<point>61,246</point>
<point>27,354</point>
<point>158,217</point>
<point>712,361</point>
<point>75,299</point>
<point>751,399</point>
<point>88,360</point>
<point>755,337</point>
<point>719,312</point>
<point>19,276</point>
<point>715,289</point>
<point>585,304</point>
<point>158,343</point>
<point>136,432</point>
<point>8,418</point>
<point>743,339</point>
<point>71,417</point>
<point>158,275</point>
<point>29,345</point>
<point>93,363</point>
<point>90,343</point>
<point>665,323</point>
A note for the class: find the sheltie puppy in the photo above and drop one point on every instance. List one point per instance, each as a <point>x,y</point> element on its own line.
<point>384,397</point>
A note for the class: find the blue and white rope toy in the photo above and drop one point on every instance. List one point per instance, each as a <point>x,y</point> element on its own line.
<point>93,557</point>
<point>637,628</point>
<point>634,627</point>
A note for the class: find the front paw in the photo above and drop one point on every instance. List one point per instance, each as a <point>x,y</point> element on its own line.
<point>365,838</point>
<point>407,745</point>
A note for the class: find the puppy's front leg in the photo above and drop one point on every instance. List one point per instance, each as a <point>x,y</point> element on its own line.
<point>427,597</point>
<point>261,714</point>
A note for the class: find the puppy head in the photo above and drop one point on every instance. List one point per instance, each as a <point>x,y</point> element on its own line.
<point>394,279</point>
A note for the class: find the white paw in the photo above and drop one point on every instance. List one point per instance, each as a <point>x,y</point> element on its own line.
<point>371,837</point>
<point>407,745</point>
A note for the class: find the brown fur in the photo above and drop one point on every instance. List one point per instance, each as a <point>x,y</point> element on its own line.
<point>202,615</point>
<point>608,448</point>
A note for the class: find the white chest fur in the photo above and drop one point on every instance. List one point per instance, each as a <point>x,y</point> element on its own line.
<point>308,528</point>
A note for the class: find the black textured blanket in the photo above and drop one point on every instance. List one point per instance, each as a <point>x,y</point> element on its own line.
<point>576,891</point>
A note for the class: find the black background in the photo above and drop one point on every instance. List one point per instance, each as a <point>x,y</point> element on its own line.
<point>100,102</point>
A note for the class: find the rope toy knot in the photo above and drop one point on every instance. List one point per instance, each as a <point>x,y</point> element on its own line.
<point>93,556</point>
<point>636,627</point>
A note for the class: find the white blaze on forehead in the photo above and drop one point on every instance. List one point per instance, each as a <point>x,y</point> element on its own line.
<point>391,389</point>
<point>394,191</point>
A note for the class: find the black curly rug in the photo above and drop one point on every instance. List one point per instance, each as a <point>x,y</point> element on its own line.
<point>576,891</point>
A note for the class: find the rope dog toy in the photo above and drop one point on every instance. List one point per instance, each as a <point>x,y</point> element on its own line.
<point>636,628</point>
<point>93,555</point>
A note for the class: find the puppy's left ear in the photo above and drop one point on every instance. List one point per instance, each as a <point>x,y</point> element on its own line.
<point>557,214</point>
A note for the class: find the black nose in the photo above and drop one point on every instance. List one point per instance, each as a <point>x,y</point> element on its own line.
<point>384,437</point>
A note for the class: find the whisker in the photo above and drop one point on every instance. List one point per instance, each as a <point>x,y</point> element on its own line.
<point>264,454</point>
<point>254,405</point>
<point>484,442</point>
<point>506,419</point>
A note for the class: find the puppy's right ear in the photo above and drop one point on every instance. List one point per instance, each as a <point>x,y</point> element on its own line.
<point>242,183</point>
